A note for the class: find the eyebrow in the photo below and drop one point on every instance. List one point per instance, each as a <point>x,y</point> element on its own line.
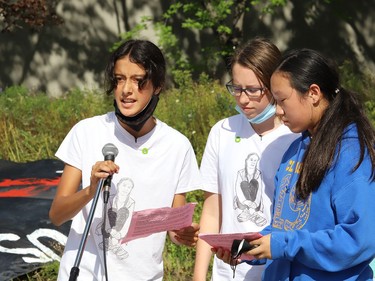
<point>248,86</point>
<point>132,76</point>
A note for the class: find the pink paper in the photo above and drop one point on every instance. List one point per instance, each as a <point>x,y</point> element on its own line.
<point>225,240</point>
<point>150,221</point>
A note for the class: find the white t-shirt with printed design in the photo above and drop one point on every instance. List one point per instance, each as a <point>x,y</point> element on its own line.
<point>153,168</point>
<point>240,165</point>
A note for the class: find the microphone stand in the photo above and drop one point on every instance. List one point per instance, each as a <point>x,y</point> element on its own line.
<point>74,272</point>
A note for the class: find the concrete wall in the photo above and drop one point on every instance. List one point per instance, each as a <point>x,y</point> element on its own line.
<point>75,53</point>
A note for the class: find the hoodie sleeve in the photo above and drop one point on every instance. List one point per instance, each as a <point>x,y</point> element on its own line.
<point>351,240</point>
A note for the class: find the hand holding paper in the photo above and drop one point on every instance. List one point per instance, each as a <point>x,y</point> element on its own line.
<point>187,236</point>
<point>150,221</point>
<point>225,241</point>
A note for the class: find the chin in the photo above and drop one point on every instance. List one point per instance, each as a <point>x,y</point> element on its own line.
<point>128,112</point>
<point>291,128</point>
<point>295,130</point>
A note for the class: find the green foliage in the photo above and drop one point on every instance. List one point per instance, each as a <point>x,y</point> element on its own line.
<point>176,60</point>
<point>270,6</point>
<point>46,273</point>
<point>179,263</point>
<point>133,33</point>
<point>362,83</point>
<point>33,126</point>
<point>194,108</point>
<point>216,19</point>
<point>370,106</point>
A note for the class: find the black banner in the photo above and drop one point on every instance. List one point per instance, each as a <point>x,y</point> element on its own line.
<point>28,240</point>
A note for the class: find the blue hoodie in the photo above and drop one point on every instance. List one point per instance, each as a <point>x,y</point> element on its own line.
<point>331,234</point>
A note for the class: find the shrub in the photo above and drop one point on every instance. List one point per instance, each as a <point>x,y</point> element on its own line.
<point>33,126</point>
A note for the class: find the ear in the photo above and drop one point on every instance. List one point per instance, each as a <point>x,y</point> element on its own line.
<point>315,93</point>
<point>157,91</point>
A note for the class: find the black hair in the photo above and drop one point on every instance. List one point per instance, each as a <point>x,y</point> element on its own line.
<point>144,53</point>
<point>305,67</point>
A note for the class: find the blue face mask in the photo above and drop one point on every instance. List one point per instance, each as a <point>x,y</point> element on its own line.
<point>266,114</point>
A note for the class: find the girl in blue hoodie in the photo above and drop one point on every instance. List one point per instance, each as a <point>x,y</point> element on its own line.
<point>323,225</point>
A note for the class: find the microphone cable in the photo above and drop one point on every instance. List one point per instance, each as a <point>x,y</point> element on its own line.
<point>104,236</point>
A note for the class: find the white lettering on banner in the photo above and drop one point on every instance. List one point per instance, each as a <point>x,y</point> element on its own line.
<point>51,233</point>
<point>43,255</point>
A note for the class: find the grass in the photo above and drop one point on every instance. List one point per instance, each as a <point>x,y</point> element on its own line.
<point>33,125</point>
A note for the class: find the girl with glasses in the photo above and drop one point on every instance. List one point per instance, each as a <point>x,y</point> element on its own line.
<point>241,157</point>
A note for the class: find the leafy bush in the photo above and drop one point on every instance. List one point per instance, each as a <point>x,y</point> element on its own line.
<point>33,126</point>
<point>193,109</point>
<point>363,84</point>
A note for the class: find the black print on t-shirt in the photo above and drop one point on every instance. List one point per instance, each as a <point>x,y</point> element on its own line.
<point>121,205</point>
<point>248,192</point>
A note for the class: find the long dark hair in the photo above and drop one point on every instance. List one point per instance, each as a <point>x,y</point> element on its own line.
<point>143,53</point>
<point>303,68</point>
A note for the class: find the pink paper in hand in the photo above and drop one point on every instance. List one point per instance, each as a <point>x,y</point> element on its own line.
<point>150,221</point>
<point>225,240</point>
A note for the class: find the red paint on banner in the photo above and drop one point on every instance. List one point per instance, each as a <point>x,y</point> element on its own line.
<point>27,187</point>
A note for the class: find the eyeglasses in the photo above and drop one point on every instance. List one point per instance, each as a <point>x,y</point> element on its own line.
<point>251,92</point>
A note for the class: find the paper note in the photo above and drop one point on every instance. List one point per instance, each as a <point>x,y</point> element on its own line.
<point>225,240</point>
<point>150,221</point>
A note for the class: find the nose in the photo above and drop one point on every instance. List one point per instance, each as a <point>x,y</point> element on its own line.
<point>127,87</point>
<point>243,98</point>
<point>279,110</point>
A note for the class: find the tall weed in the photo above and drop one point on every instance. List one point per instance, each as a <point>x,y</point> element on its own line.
<point>33,125</point>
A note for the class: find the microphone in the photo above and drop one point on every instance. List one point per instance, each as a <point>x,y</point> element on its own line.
<point>109,151</point>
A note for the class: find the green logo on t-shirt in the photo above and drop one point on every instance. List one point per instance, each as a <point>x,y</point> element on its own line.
<point>144,150</point>
<point>237,139</point>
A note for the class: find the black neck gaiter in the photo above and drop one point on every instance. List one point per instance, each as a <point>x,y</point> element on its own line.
<point>136,122</point>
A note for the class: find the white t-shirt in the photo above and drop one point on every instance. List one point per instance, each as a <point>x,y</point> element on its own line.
<point>240,165</point>
<point>153,168</point>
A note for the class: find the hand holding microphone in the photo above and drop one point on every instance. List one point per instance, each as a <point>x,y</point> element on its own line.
<point>110,152</point>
